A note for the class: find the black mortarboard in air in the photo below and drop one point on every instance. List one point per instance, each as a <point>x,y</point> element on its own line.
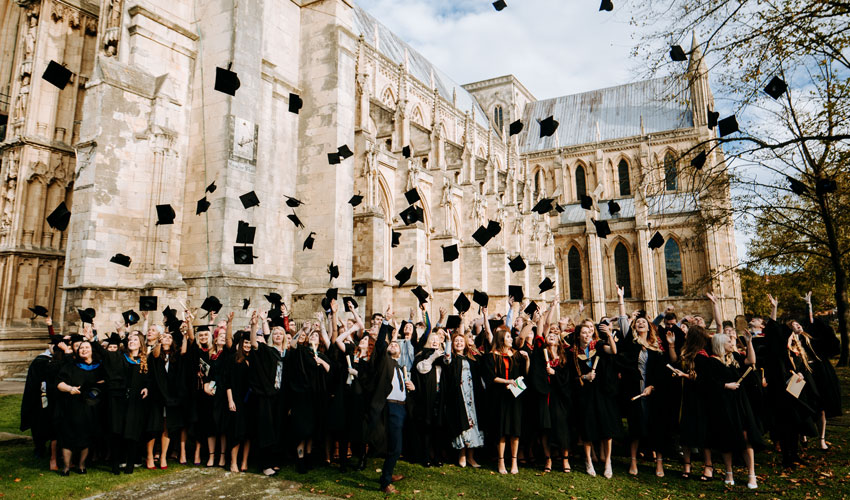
<point>656,241</point>
<point>494,228</point>
<point>531,308</point>
<point>613,207</point>
<point>349,303</point>
<point>517,264</point>
<point>482,235</point>
<point>602,228</point>
<point>728,125</point>
<point>412,214</point>
<point>495,323</point>
<point>825,186</point>
<point>333,158</point>
<point>277,318</point>
<point>677,53</point>
<point>203,206</point>
<point>121,259</point>
<point>699,160</point>
<point>333,270</point>
<point>114,339</point>
<point>776,87</point>
<point>246,303</point>
<point>586,202</point>
<point>293,202</point>
<point>86,315</point>
<point>450,253</point>
<point>243,255</point>
<point>308,242</point>
<point>211,188</point>
<point>396,236</point>
<point>355,200</point>
<point>607,5</point>
<point>295,220</point>
<point>515,127</point>
<point>332,293</point>
<point>164,215</point>
<point>344,152</point>
<point>249,199</point>
<point>226,81</point>
<point>405,151</point>
<point>147,303</point>
<point>169,314</point>
<point>499,5</point>
<point>559,208</point>
<point>412,196</point>
<point>543,207</point>
<point>713,116</point>
<point>515,291</point>
<point>421,294</point>
<point>453,322</point>
<point>796,186</point>
<point>480,298</point>
<point>57,75</point>
<point>295,103</point>
<point>74,338</point>
<point>546,284</point>
<point>274,299</point>
<point>360,289</point>
<point>38,311</point>
<point>462,303</point>
<point>548,126</point>
<point>211,304</point>
<point>60,217</point>
<point>404,275</point>
<point>245,233</point>
<point>131,317</point>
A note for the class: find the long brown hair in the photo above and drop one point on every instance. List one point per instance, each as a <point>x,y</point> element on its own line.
<point>651,334</point>
<point>697,340</point>
<point>499,340</point>
<point>143,354</point>
<point>577,344</point>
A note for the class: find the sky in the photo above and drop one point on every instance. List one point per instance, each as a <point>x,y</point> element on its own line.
<point>554,47</point>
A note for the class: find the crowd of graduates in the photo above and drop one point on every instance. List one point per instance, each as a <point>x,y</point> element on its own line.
<point>523,386</point>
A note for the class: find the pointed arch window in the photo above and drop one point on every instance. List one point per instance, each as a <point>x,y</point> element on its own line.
<point>623,174</point>
<point>574,270</point>
<point>497,118</point>
<point>621,267</point>
<point>673,264</point>
<point>581,182</point>
<point>671,176</point>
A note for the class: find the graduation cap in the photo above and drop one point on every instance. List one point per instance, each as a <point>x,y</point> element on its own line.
<point>245,233</point>
<point>87,315</point>
<point>211,188</point>
<point>332,293</point>
<point>274,299</point>
<point>243,255</point>
<point>147,303</point>
<point>38,311</point>
<point>499,5</point>
<point>531,308</point>
<point>546,285</point>
<point>602,228</point>
<point>295,220</point>
<point>699,160</point>
<point>203,206</point>
<point>480,298</point>
<point>453,322</point>
<point>559,208</point>
<point>404,275</point>
<point>515,127</point>
<point>728,125</point>
<point>516,264</point>
<point>211,304</point>
<point>462,303</point>
<point>412,214</point>
<point>586,202</point>
<point>543,207</point>
<point>56,75</point>
<point>121,259</point>
<point>131,317</point>
<point>308,242</point>
<point>515,291</point>
<point>613,207</point>
<point>776,87</point>
<point>245,304</point>
<point>713,116</point>
<point>114,339</point>
<point>494,228</point>
<point>293,202</point>
<point>412,196</point>
<point>656,241</point>
<point>396,236</point>
<point>677,54</point>
<point>226,81</point>
<point>450,253</point>
<point>295,103</point>
<point>164,215</point>
<point>333,270</point>
<point>59,218</point>
<point>170,314</point>
<point>796,186</point>
<point>344,152</point>
<point>333,158</point>
<point>276,314</point>
<point>548,126</point>
<point>249,199</point>
<point>825,186</point>
<point>495,323</point>
<point>607,5</point>
<point>482,235</point>
<point>405,151</point>
<point>360,289</point>
<point>355,200</point>
<point>421,294</point>
<point>349,303</point>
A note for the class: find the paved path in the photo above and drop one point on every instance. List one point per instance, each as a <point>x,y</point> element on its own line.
<point>11,386</point>
<point>202,483</point>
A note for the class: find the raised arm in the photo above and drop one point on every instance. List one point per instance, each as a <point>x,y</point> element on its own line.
<point>808,299</point>
<point>620,301</point>
<point>751,352</point>
<point>774,305</point>
<point>252,334</point>
<point>323,333</point>
<point>334,319</point>
<point>487,330</point>
<point>718,319</point>
<point>228,333</point>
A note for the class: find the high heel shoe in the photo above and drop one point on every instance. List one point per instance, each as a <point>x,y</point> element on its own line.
<point>730,479</point>
<point>659,472</point>
<point>608,474</point>
<point>548,466</point>
<point>752,484</point>
<point>514,468</point>
<point>590,470</point>
<point>501,466</point>
<point>686,474</point>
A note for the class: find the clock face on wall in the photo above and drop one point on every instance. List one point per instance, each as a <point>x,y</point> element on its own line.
<point>244,139</point>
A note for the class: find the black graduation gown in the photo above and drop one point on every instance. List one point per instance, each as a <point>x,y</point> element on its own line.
<point>241,423</point>
<point>820,349</point>
<point>219,416</point>
<point>336,419</point>
<point>167,392</point>
<point>307,382</point>
<point>425,409</point>
<point>124,382</point>
<point>79,426</point>
<point>382,370</point>
<point>357,396</point>
<point>198,407</point>
<point>36,403</point>
<point>552,393</point>
<point>647,415</point>
<point>505,410</point>
<point>596,414</point>
<point>267,379</point>
<point>729,412</point>
<point>453,408</point>
<point>693,424</point>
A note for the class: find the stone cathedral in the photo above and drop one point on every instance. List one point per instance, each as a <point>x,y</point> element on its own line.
<point>139,125</point>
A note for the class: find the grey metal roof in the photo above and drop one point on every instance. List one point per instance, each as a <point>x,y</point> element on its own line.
<point>390,45</point>
<point>663,204</point>
<point>618,111</point>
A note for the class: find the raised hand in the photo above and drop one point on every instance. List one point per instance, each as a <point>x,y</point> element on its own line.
<point>620,292</point>
<point>49,321</point>
<point>334,306</point>
<point>671,337</point>
<point>773,301</point>
<point>229,316</point>
<point>711,297</point>
<point>580,307</point>
<point>808,297</point>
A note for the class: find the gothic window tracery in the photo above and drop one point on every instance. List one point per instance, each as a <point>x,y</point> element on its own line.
<point>673,265</point>
<point>581,182</point>
<point>498,119</point>
<point>623,175</point>
<point>574,271</point>
<point>671,176</point>
<point>621,267</point>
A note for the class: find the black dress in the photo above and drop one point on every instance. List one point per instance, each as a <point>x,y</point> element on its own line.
<point>36,403</point>
<point>124,383</point>
<point>597,416</point>
<point>308,391</point>
<point>241,423</point>
<point>505,409</point>
<point>267,365</point>
<point>357,397</point>
<point>454,417</point>
<point>693,424</point>
<point>729,412</point>
<point>79,426</point>
<point>823,346</point>
<point>168,392</point>
<point>337,394</point>
<point>641,368</point>
<point>426,398</point>
<point>552,394</point>
<point>219,415</point>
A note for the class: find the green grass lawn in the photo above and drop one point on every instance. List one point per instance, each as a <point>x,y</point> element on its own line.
<point>826,476</point>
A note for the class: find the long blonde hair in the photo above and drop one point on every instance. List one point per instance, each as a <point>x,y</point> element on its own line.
<point>718,347</point>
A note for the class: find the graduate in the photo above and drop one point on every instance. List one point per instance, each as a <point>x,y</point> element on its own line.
<point>240,403</point>
<point>267,380</point>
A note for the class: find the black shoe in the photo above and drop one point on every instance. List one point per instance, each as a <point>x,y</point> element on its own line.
<point>80,471</point>
<point>362,464</point>
<point>437,463</point>
<point>116,470</point>
<point>301,465</point>
<point>64,473</point>
<point>426,464</point>
<point>128,469</point>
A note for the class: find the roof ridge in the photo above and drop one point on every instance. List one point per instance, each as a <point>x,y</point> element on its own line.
<point>612,87</point>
